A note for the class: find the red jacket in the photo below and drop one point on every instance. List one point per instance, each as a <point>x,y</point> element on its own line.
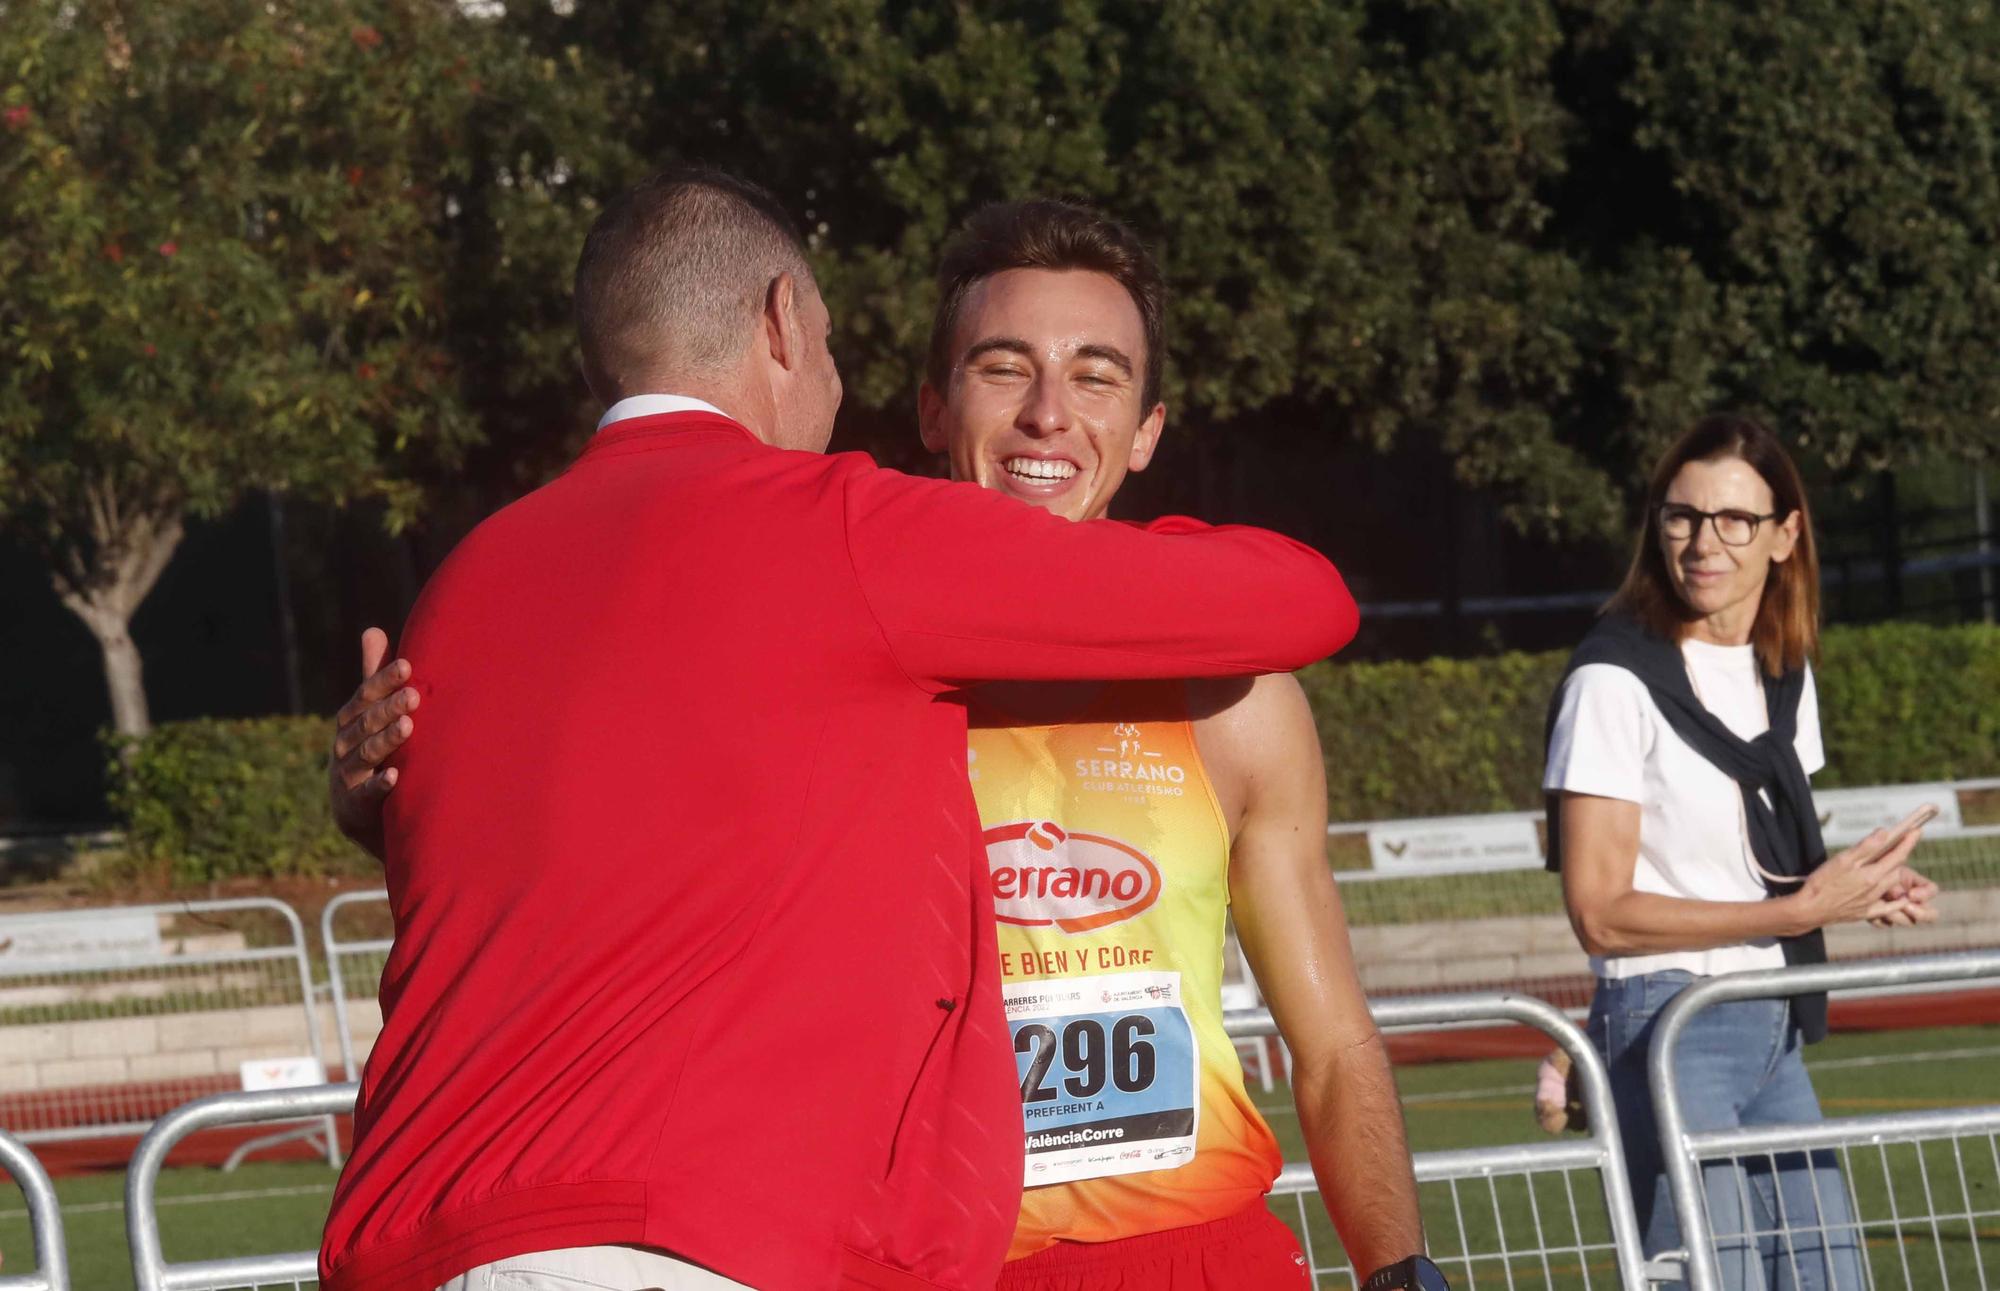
<point>694,947</point>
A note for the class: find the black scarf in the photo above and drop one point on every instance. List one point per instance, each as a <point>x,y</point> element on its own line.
<point>1784,835</point>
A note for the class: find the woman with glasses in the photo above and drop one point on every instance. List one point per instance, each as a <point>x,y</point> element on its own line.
<point>1682,822</point>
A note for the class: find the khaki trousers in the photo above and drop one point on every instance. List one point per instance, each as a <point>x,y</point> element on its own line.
<point>590,1268</point>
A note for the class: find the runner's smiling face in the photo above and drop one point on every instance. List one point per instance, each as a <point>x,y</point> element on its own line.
<point>1044,400</point>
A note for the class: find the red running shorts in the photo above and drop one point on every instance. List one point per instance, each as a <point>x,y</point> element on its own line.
<point>1249,1251</point>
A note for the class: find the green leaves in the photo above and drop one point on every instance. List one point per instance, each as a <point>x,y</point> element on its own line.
<point>222,800</point>
<point>1820,243</point>
<point>1542,235</point>
<point>166,324</point>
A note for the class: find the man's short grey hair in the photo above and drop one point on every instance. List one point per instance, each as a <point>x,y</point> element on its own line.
<point>674,275</point>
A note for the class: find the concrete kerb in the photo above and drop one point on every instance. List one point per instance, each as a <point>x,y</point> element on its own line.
<point>99,1055</point>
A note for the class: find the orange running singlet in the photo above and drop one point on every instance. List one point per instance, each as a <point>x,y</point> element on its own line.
<point>1109,858</point>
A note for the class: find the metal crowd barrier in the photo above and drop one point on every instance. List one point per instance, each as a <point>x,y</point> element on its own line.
<point>150,1271</point>
<point>1919,1219</point>
<point>1403,881</point>
<point>44,1221</point>
<point>99,1044</point>
<point>353,973</point>
<point>1499,1200</point>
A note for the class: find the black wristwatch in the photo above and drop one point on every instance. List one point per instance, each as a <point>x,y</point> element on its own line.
<point>1414,1274</point>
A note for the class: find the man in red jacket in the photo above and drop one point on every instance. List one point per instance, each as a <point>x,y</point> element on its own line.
<point>715,979</point>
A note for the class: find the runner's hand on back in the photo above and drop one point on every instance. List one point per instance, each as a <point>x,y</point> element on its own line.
<point>369,727</point>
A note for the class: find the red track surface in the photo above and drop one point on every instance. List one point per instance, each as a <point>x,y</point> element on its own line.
<point>210,1147</point>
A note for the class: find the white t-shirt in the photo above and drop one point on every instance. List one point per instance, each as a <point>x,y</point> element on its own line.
<point>1611,741</point>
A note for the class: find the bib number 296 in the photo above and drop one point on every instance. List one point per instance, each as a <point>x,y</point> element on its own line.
<point>1126,1058</point>
<point>1108,1069</point>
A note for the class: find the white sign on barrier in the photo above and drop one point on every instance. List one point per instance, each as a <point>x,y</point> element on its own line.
<point>30,941</point>
<point>1455,843</point>
<point>282,1073</point>
<point>1846,815</point>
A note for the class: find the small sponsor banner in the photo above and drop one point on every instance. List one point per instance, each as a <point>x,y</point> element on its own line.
<point>282,1073</point>
<point>1456,844</point>
<point>52,941</point>
<point>1848,815</point>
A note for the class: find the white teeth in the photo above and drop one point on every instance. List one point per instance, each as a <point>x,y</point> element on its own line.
<point>1037,468</point>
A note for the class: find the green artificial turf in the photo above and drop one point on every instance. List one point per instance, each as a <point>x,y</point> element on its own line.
<point>270,1207</point>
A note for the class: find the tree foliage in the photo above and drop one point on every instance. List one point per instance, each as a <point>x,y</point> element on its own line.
<point>1345,198</point>
<point>1541,235</point>
<point>234,237</point>
<point>1800,208</point>
<point>313,248</point>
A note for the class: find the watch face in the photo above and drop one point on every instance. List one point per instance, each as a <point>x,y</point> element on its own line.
<point>1429,1277</point>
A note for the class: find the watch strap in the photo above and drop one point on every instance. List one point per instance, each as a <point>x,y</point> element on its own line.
<point>1413,1273</point>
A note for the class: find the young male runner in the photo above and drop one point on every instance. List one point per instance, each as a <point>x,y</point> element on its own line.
<point>1121,821</point>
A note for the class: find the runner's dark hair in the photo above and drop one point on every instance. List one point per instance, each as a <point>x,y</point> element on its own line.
<point>1047,234</point>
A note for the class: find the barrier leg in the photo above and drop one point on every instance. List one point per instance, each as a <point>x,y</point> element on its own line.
<point>44,1219</point>
<point>319,1134</point>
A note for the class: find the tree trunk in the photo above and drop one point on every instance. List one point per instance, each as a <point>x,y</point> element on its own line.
<point>103,580</point>
<point>124,674</point>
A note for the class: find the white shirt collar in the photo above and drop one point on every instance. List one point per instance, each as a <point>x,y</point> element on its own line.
<point>654,405</point>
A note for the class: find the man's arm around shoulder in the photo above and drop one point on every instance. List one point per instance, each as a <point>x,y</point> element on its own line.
<point>969,585</point>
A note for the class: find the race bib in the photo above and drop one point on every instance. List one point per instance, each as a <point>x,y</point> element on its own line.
<point>1108,1075</point>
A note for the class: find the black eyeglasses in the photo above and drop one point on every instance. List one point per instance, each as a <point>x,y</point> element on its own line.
<point>1734,528</point>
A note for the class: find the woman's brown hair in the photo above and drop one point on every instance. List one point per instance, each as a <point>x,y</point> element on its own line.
<point>1786,632</point>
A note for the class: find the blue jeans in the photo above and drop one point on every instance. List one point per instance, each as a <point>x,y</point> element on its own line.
<point>1780,1222</point>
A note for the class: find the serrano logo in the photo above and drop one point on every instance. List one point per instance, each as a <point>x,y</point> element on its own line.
<point>1044,876</point>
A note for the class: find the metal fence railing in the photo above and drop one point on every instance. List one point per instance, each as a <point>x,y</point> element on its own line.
<point>354,969</point>
<point>1550,1214</point>
<point>1403,881</point>
<point>44,1221</point>
<point>1922,1188</point>
<point>150,1270</point>
<point>111,1017</point>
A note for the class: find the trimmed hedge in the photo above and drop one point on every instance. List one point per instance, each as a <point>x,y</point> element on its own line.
<point>1443,737</point>
<point>1901,702</point>
<point>1904,701</point>
<point>210,800</point>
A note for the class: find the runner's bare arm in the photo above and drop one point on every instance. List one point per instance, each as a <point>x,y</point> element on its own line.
<point>1289,918</point>
<point>369,727</point>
